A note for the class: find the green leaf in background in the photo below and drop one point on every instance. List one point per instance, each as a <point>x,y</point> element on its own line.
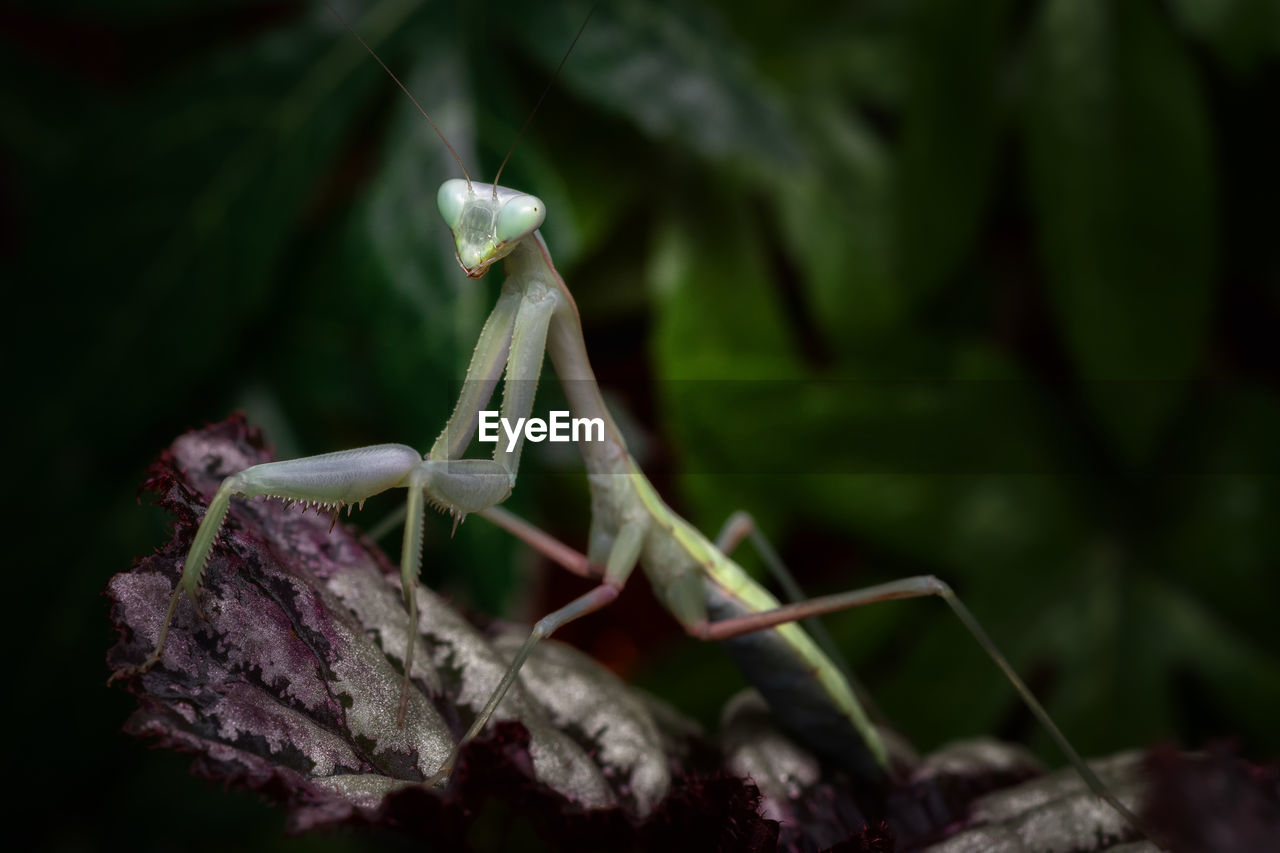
<point>1242,33</point>
<point>951,122</point>
<point>837,217</point>
<point>675,70</point>
<point>1122,179</point>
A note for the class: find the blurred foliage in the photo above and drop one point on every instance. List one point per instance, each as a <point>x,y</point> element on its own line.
<point>983,290</point>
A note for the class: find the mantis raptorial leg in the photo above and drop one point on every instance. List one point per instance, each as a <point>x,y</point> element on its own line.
<point>345,478</point>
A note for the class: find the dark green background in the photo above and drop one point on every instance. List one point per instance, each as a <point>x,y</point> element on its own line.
<point>1068,205</point>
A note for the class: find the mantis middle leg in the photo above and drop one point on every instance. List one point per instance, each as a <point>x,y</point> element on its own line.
<point>329,482</point>
<point>622,560</point>
<point>741,526</point>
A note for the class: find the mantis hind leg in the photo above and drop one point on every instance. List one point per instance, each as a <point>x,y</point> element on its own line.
<point>918,587</point>
<point>741,526</point>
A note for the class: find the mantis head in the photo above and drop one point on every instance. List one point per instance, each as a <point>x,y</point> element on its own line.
<point>487,221</point>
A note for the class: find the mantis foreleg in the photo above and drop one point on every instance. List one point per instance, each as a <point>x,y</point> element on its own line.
<point>492,349</point>
<point>330,482</point>
<point>513,339</point>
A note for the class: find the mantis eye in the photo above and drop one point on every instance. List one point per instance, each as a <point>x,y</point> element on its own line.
<point>451,198</point>
<point>518,217</point>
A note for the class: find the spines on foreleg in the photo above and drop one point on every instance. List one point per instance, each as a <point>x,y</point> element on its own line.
<point>459,487</point>
<point>329,481</point>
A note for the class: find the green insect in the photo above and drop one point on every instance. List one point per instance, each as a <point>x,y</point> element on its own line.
<point>709,594</point>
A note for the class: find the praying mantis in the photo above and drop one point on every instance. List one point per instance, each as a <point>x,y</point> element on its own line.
<point>705,590</point>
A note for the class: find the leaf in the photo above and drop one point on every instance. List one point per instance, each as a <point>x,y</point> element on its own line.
<point>1241,32</point>
<point>211,170</point>
<point>1055,812</point>
<point>992,797</point>
<point>837,216</point>
<point>675,70</point>
<point>1215,803</point>
<point>952,120</point>
<point>1123,187</point>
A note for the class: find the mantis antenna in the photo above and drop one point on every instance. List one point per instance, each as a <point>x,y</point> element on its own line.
<point>519,134</point>
<point>405,89</point>
<point>555,76</point>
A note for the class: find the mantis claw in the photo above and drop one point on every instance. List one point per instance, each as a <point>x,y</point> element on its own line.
<point>131,671</point>
<point>439,780</point>
<point>402,709</point>
<point>195,604</point>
